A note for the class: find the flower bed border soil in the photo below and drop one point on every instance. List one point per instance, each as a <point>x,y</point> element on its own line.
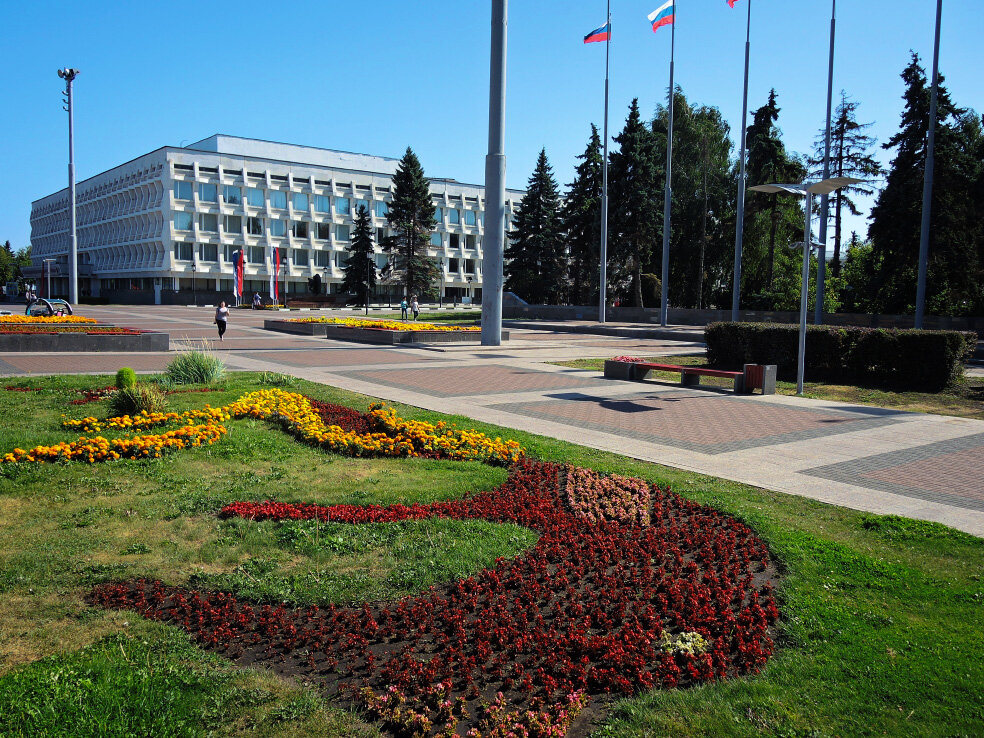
<point>374,335</point>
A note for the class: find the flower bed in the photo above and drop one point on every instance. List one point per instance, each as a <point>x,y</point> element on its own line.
<point>45,319</point>
<point>94,330</point>
<point>603,604</point>
<point>389,325</point>
<point>387,332</point>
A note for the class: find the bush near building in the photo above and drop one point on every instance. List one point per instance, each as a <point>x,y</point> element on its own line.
<point>914,360</point>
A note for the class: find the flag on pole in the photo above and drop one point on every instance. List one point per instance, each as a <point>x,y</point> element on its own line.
<point>237,258</point>
<point>731,3</point>
<point>599,34</point>
<point>276,275</point>
<point>662,16</point>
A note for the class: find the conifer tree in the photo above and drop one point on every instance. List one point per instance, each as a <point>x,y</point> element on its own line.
<point>955,278</point>
<point>849,157</point>
<point>535,260</point>
<point>634,200</point>
<point>411,218</point>
<point>360,271</point>
<point>582,222</point>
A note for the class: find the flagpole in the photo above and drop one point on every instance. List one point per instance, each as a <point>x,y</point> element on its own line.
<point>824,201</point>
<point>668,192</point>
<point>740,225</point>
<point>927,202</point>
<point>604,185</point>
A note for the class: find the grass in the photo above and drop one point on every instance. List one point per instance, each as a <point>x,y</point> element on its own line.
<point>966,400</point>
<point>882,630</point>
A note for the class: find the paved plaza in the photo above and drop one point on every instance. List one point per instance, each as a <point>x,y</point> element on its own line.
<point>923,466</point>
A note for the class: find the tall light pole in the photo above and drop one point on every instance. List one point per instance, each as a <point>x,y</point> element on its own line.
<point>68,74</point>
<point>740,224</point>
<point>809,189</point>
<point>495,182</point>
<point>824,200</point>
<point>47,269</point>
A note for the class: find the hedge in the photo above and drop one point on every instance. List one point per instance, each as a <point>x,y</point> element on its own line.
<point>914,360</point>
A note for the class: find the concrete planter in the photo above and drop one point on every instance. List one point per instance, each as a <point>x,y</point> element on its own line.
<point>83,342</point>
<point>619,369</point>
<point>373,335</point>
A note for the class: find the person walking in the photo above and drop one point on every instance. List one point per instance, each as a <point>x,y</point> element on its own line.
<point>221,318</point>
<point>414,307</point>
<point>257,301</point>
<point>403,309</point>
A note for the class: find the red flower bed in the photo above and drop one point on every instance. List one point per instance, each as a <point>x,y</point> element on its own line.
<point>344,417</point>
<point>52,330</point>
<point>608,606</point>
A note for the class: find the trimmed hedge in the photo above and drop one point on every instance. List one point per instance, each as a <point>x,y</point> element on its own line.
<point>927,361</point>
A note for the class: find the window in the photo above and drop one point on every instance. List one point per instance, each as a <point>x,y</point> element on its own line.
<point>453,216</point>
<point>301,257</point>
<point>232,195</point>
<point>278,227</point>
<point>256,254</point>
<point>436,239</point>
<point>208,222</point>
<point>300,201</point>
<point>322,258</point>
<point>254,197</point>
<point>208,192</point>
<point>470,218</point>
<point>342,206</point>
<point>183,191</point>
<point>299,229</point>
<point>278,199</point>
<point>439,215</point>
<point>470,242</point>
<point>453,240</point>
<point>381,209</point>
<point>254,226</point>
<point>453,265</point>
<point>363,204</point>
<point>322,231</point>
<point>209,252</point>
<point>381,261</point>
<point>469,266</point>
<point>182,221</point>
<point>183,251</point>
<point>232,224</point>
<point>341,233</point>
<point>380,235</point>
<point>322,204</point>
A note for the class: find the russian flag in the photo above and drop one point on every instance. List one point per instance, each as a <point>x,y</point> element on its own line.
<point>662,16</point>
<point>599,34</point>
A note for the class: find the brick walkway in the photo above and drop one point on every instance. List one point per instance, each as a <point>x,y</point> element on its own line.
<point>923,466</point>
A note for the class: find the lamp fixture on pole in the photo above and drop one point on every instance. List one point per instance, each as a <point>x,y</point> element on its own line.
<point>807,189</point>
<point>68,74</point>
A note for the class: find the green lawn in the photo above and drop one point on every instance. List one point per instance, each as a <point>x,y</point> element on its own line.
<point>966,400</point>
<point>882,627</point>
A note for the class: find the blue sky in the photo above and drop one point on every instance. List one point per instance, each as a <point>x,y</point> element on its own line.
<point>375,77</point>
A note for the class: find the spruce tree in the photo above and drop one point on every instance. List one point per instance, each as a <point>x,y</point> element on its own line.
<point>849,157</point>
<point>634,200</point>
<point>955,278</point>
<point>411,218</point>
<point>582,222</point>
<point>535,260</point>
<point>360,271</point>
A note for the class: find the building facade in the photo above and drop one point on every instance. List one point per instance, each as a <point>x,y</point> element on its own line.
<point>163,227</point>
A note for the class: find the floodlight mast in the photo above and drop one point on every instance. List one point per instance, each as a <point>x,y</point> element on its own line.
<point>69,74</point>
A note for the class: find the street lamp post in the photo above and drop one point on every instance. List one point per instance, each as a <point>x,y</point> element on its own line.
<point>368,267</point>
<point>440,296</point>
<point>807,189</point>
<point>68,74</point>
<point>194,283</point>
<point>47,269</point>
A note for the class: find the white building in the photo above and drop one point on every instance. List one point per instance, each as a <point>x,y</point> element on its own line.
<point>165,225</point>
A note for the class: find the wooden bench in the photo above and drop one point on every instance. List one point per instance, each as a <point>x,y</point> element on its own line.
<point>752,377</point>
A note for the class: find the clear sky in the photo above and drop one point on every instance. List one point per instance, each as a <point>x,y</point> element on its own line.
<point>377,76</point>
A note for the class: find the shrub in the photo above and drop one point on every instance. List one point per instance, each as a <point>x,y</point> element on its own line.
<point>276,379</point>
<point>133,400</point>
<point>913,360</point>
<point>195,367</point>
<point>126,377</point>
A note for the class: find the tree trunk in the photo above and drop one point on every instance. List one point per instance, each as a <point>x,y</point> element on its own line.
<point>772,241</point>
<point>703,243</point>
<point>637,280</point>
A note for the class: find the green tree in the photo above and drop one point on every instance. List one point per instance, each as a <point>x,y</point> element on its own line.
<point>849,157</point>
<point>955,277</point>
<point>860,288</point>
<point>634,202</point>
<point>769,219</point>
<point>7,259</point>
<point>582,222</point>
<point>360,270</point>
<point>702,237</point>
<point>535,260</point>
<point>411,218</point>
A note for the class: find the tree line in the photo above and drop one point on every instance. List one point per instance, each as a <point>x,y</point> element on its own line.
<point>553,252</point>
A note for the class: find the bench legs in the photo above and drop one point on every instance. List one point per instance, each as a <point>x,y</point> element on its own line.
<point>689,380</point>
<point>757,376</point>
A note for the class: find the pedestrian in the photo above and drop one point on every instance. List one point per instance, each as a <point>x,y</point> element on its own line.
<point>257,301</point>
<point>414,307</point>
<point>403,309</point>
<point>221,318</point>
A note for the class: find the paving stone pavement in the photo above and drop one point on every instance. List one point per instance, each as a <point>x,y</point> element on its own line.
<point>924,466</point>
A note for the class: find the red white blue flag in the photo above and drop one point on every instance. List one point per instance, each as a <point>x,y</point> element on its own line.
<point>662,16</point>
<point>599,34</point>
<point>731,3</point>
